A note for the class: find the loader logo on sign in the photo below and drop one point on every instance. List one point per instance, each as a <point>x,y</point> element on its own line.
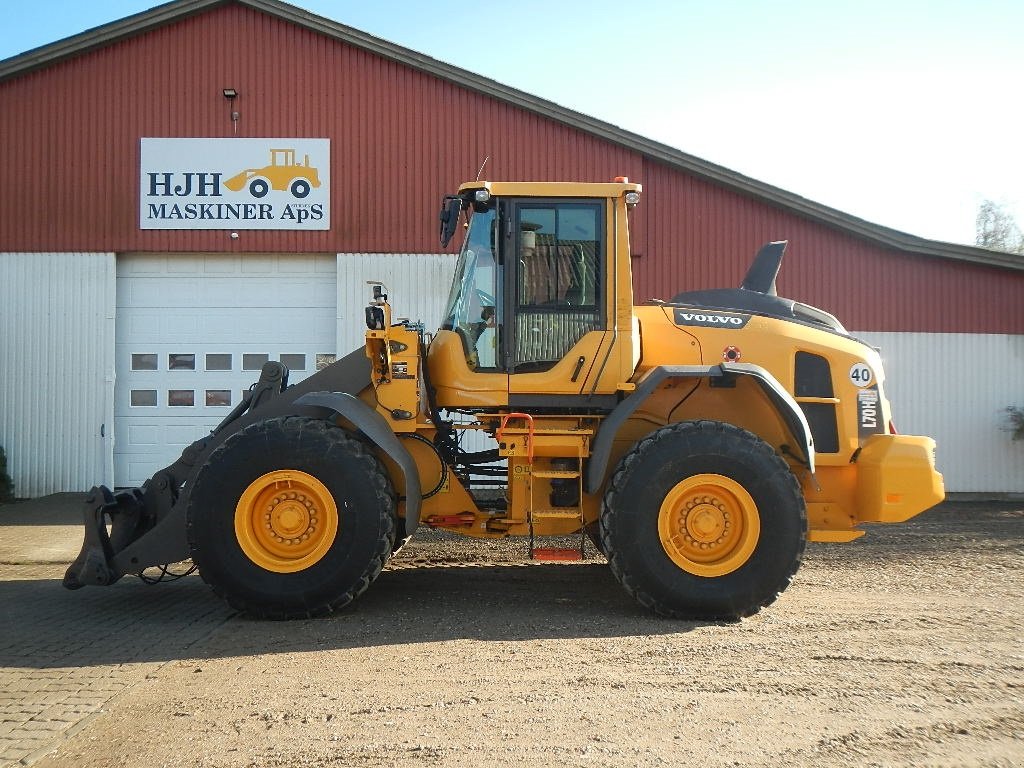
<point>235,184</point>
<point>283,173</point>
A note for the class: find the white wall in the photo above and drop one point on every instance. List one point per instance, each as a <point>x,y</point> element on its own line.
<point>417,285</point>
<point>57,370</point>
<point>955,387</point>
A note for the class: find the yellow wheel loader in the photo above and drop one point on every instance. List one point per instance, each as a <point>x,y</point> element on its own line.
<point>699,442</point>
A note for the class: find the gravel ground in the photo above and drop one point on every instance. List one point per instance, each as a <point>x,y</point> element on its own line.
<point>903,648</point>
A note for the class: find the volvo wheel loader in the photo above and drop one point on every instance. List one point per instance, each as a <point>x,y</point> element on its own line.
<point>699,442</point>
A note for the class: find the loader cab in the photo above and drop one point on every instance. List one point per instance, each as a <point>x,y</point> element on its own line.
<point>540,309</point>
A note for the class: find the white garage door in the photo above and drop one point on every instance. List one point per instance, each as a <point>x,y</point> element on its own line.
<point>193,332</point>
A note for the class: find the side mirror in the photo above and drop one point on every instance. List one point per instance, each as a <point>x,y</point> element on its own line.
<point>451,209</point>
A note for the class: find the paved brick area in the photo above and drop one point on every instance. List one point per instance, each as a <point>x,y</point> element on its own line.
<point>64,655</point>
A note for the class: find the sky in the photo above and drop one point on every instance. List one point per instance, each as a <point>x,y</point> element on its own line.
<point>904,113</point>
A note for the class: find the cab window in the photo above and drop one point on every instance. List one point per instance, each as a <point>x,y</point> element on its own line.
<point>472,308</point>
<point>558,280</point>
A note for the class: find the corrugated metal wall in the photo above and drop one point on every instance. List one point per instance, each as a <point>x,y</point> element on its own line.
<point>955,388</point>
<point>417,283</point>
<point>400,139</point>
<point>57,369</point>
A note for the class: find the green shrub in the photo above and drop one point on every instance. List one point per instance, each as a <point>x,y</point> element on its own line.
<point>1015,416</point>
<point>6,484</point>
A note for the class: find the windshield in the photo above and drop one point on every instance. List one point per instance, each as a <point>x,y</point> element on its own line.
<point>471,309</point>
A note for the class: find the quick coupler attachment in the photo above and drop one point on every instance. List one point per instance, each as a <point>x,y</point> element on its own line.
<point>94,564</point>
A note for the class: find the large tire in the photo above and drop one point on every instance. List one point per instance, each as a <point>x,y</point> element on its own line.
<point>703,520</point>
<point>291,518</point>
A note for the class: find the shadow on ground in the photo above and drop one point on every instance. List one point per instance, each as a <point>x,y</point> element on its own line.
<point>45,626</point>
<point>133,622</point>
<point>55,509</point>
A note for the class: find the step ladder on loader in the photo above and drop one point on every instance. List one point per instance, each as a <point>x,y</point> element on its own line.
<point>548,458</point>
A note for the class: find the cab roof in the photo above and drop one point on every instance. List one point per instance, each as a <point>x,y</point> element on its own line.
<point>552,188</point>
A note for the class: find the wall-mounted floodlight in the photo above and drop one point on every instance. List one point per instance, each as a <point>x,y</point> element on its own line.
<point>231,94</point>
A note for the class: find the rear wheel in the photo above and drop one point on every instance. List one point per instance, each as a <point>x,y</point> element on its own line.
<point>290,518</point>
<point>703,520</point>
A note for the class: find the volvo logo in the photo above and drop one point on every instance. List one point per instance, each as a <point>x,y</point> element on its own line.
<point>709,319</point>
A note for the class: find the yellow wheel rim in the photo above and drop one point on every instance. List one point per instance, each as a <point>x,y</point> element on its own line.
<point>286,521</point>
<point>709,525</point>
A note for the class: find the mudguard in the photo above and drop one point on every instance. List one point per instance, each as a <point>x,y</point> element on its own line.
<point>783,402</point>
<point>376,428</point>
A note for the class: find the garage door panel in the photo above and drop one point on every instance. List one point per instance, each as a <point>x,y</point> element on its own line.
<point>143,434</point>
<point>181,326</point>
<point>192,340</point>
<point>223,327</point>
<point>303,265</point>
<point>215,264</point>
<point>149,264</point>
<point>186,265</point>
<point>145,326</point>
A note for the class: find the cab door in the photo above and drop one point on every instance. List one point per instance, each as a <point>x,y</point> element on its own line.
<point>557,328</point>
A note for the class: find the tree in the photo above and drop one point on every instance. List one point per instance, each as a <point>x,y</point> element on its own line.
<point>6,485</point>
<point>996,228</point>
<point>1015,416</point>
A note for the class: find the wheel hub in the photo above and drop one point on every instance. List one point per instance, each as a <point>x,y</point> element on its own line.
<point>291,517</point>
<point>285,521</point>
<point>708,525</point>
<point>706,521</point>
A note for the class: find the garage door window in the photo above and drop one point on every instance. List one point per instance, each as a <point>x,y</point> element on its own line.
<point>253,362</point>
<point>181,362</point>
<point>143,398</point>
<point>181,397</point>
<point>218,362</point>
<point>218,397</point>
<point>144,362</point>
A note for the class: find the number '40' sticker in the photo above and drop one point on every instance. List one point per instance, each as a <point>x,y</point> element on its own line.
<point>861,375</point>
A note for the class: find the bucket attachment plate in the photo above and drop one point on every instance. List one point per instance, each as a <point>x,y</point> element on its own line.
<point>94,564</point>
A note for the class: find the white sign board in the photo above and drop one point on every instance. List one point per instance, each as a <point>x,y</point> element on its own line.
<point>235,184</point>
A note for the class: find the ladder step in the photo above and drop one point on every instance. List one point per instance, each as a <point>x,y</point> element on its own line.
<point>567,474</point>
<point>548,553</point>
<point>556,514</point>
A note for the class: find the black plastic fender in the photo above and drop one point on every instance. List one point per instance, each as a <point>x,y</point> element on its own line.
<point>783,402</point>
<point>376,428</point>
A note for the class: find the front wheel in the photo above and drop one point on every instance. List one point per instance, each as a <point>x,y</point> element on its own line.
<point>703,520</point>
<point>259,187</point>
<point>291,517</point>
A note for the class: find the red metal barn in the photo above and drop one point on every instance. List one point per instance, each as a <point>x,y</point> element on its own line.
<point>129,329</point>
